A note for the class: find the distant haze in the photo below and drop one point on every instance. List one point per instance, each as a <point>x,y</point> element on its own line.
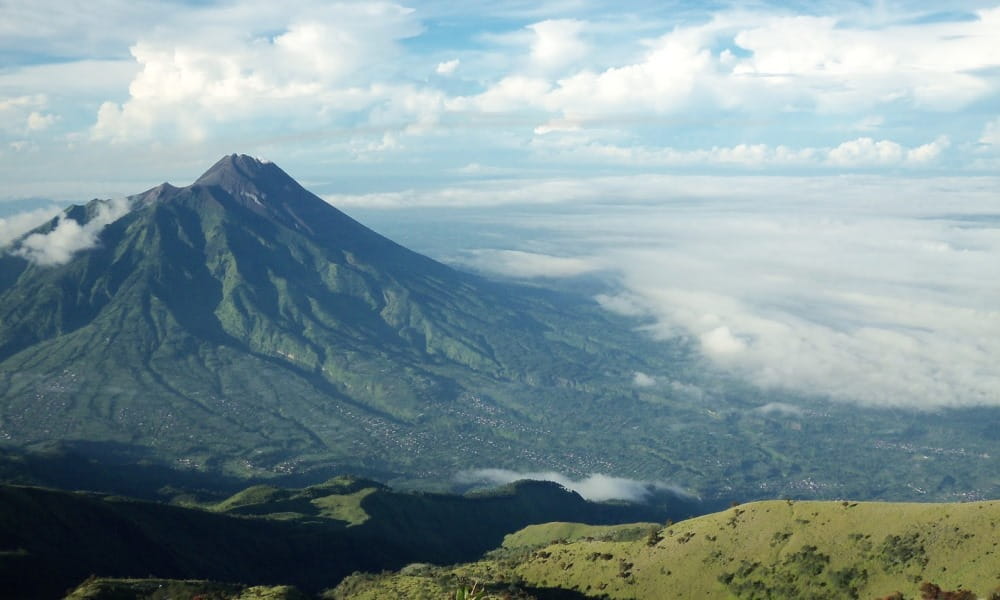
<point>869,290</point>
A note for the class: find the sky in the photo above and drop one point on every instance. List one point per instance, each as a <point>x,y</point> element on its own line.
<point>807,191</point>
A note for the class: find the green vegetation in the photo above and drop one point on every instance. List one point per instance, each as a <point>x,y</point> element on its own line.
<point>774,549</point>
<point>242,330</point>
<point>171,589</point>
<point>310,538</point>
<point>534,536</point>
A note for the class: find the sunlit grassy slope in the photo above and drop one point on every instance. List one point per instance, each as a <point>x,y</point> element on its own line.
<point>774,549</point>
<point>172,589</point>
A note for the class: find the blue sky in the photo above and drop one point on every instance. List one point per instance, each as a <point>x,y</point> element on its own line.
<point>105,91</point>
<point>808,191</point>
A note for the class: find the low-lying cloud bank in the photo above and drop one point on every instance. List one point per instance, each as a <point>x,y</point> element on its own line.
<point>521,264</point>
<point>69,237</point>
<point>595,487</point>
<point>879,291</point>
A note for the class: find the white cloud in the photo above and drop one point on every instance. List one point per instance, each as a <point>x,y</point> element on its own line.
<point>190,81</point>
<point>97,28</point>
<point>665,80</point>
<point>596,487</point>
<point>865,289</point>
<point>785,64</point>
<point>837,68</point>
<point>13,226</point>
<point>721,341</point>
<point>16,113</point>
<point>414,110</point>
<point>928,152</point>
<point>69,237</point>
<point>528,265</point>
<point>866,151</point>
<point>514,92</point>
<point>642,380</point>
<point>447,67</point>
<point>82,80</point>
<point>858,153</point>
<point>557,43</point>
<point>38,121</point>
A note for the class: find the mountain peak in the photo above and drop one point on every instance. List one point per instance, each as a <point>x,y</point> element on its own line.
<point>238,167</point>
<point>260,186</point>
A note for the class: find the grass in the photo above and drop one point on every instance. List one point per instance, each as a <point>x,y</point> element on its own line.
<point>173,589</point>
<point>544,534</point>
<point>772,549</point>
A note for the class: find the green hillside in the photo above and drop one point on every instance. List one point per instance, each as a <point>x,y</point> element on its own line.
<point>241,330</point>
<point>310,538</point>
<point>171,589</point>
<point>773,549</point>
<point>242,324</point>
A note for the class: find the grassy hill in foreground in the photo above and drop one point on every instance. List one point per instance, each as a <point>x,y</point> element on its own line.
<point>173,589</point>
<point>773,549</point>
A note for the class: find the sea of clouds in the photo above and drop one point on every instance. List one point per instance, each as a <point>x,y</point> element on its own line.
<point>875,290</point>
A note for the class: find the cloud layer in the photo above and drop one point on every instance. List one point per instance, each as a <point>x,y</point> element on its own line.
<point>596,487</point>
<point>872,290</point>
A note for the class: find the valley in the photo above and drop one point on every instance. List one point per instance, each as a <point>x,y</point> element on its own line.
<point>224,349</point>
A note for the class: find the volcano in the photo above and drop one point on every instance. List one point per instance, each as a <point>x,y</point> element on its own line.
<point>241,323</point>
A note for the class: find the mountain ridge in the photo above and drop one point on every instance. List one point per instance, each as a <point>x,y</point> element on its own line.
<point>246,269</point>
<point>208,331</point>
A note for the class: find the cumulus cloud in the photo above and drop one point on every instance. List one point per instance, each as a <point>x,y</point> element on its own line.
<point>557,43</point>
<point>927,152</point>
<point>596,487</point>
<point>867,152</point>
<point>447,67</point>
<point>69,237</point>
<point>21,114</point>
<point>215,72</point>
<point>38,121</point>
<point>768,63</point>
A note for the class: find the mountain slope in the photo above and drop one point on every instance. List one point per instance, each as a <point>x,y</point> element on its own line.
<point>241,325</point>
<point>247,311</point>
<point>775,549</point>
